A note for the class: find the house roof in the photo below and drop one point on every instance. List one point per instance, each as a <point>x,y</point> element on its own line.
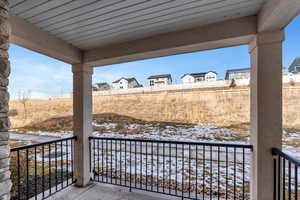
<point>238,70</point>
<point>296,62</point>
<point>101,84</point>
<point>235,70</point>
<point>195,75</point>
<point>160,76</point>
<point>128,79</point>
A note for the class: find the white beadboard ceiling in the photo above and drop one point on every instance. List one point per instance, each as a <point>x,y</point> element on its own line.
<point>88,24</point>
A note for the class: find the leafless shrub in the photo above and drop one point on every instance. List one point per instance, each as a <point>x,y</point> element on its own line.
<point>24,97</point>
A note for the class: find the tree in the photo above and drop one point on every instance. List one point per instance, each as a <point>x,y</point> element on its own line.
<point>24,97</point>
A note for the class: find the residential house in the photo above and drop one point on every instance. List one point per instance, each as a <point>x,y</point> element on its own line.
<point>101,86</point>
<point>159,80</point>
<point>295,66</point>
<point>125,83</point>
<point>197,77</point>
<point>243,73</point>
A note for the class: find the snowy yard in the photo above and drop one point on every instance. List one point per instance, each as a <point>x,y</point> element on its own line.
<point>179,169</point>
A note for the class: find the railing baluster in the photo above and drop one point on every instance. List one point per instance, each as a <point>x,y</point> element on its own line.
<point>157,158</point>
<point>135,166</point>
<point>141,165</point>
<point>196,171</point>
<point>27,174</point>
<point>170,161</point>
<point>243,171</point>
<point>43,171</point>
<point>18,174</point>
<point>182,178</point>
<point>35,173</point>
<point>211,173</point>
<point>111,162</point>
<point>176,168</point>
<point>67,158</point>
<point>61,162</point>
<point>130,177</point>
<point>116,161</point>
<point>98,160</point>
<point>102,157</point>
<point>146,165</point>
<point>226,154</point>
<point>283,178</point>
<point>289,179</point>
<point>218,172</point>
<point>163,167</point>
<point>234,173</point>
<point>203,190</point>
<point>152,167</point>
<point>55,146</point>
<point>296,182</point>
<point>106,160</point>
<point>72,160</point>
<point>189,170</point>
<point>120,162</point>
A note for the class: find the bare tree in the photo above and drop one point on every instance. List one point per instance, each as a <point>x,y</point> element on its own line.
<point>24,97</point>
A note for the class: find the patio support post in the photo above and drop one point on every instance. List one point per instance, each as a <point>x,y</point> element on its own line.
<point>266,109</point>
<point>82,119</point>
<point>5,182</point>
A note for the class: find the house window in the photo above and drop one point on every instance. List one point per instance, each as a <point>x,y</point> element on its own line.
<point>151,82</point>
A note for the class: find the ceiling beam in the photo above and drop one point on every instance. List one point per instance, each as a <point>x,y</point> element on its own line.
<point>31,37</point>
<point>217,35</point>
<point>276,14</point>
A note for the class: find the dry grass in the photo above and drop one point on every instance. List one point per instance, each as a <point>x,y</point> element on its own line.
<point>211,107</point>
<point>39,110</point>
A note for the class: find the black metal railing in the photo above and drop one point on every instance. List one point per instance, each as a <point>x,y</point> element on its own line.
<point>40,170</point>
<point>184,169</point>
<point>286,176</point>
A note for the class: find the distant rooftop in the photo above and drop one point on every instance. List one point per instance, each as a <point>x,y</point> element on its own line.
<point>236,70</point>
<point>160,76</point>
<point>296,62</point>
<point>200,74</point>
<point>128,79</point>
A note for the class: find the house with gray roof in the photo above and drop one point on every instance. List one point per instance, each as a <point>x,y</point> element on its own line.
<point>243,73</point>
<point>101,86</point>
<point>198,77</point>
<point>295,66</point>
<point>125,83</point>
<point>160,80</point>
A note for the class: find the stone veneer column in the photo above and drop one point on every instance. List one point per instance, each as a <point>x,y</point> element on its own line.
<point>5,182</point>
<point>266,109</point>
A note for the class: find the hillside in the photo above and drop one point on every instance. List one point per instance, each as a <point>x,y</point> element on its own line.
<point>226,107</point>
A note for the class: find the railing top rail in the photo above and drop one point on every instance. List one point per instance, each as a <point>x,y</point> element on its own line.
<point>276,151</point>
<point>245,146</point>
<point>40,144</point>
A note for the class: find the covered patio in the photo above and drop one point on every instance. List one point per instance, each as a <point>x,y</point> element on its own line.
<point>94,33</point>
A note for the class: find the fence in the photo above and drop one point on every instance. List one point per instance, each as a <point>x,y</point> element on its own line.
<point>184,169</point>
<point>286,176</point>
<point>40,170</point>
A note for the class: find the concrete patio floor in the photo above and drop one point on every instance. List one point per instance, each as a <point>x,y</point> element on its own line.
<point>97,191</point>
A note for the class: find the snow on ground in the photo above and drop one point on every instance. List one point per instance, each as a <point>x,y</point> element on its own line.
<point>172,168</point>
<point>171,172</point>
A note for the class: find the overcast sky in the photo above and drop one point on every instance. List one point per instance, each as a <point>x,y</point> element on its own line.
<point>46,77</point>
